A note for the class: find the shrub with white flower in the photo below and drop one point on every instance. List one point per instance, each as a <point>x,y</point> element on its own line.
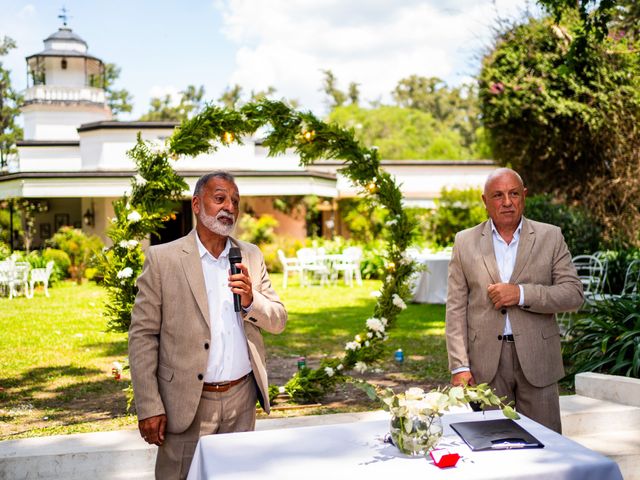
<point>134,217</point>
<point>126,272</point>
<point>329,371</point>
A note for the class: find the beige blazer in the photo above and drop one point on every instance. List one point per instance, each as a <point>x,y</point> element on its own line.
<point>543,267</point>
<point>170,335</point>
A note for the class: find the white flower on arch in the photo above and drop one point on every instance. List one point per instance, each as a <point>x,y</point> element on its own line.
<point>134,217</point>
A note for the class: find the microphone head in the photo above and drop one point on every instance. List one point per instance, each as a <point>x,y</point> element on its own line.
<point>235,255</point>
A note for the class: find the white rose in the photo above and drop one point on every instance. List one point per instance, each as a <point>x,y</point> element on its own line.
<point>134,217</point>
<point>360,367</point>
<point>125,272</point>
<point>140,180</point>
<point>339,367</point>
<point>329,371</point>
<point>352,346</point>
<point>375,324</point>
<point>398,302</point>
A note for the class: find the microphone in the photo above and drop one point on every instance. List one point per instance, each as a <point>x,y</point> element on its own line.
<point>235,257</point>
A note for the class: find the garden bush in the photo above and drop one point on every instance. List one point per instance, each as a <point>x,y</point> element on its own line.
<point>80,249</point>
<point>62,261</point>
<point>607,339</point>
<point>455,210</point>
<point>258,231</point>
<point>581,231</point>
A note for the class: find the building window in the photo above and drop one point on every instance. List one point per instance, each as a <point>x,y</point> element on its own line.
<point>63,64</point>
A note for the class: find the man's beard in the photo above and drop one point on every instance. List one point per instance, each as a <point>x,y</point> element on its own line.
<point>215,225</point>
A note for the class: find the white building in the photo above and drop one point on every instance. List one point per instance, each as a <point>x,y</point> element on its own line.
<point>74,156</point>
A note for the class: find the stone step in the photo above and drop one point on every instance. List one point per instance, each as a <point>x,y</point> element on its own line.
<point>612,388</point>
<point>589,416</point>
<point>623,447</point>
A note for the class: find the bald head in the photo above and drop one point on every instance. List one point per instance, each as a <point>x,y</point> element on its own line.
<point>503,196</point>
<point>499,172</point>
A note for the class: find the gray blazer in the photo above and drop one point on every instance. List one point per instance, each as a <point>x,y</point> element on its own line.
<point>170,328</point>
<point>543,267</point>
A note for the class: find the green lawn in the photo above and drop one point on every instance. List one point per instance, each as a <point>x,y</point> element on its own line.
<point>323,319</point>
<point>56,356</point>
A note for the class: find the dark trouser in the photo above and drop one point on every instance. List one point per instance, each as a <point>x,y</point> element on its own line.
<point>218,412</point>
<point>541,404</point>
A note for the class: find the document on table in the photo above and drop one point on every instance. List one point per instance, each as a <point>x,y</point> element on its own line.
<point>502,434</point>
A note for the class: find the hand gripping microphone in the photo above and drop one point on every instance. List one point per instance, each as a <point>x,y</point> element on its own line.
<point>235,257</point>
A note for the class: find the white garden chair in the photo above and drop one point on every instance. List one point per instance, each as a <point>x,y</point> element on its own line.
<point>591,273</point>
<point>349,264</point>
<point>289,265</point>
<point>312,263</point>
<point>6,278</point>
<point>41,275</point>
<point>631,284</point>
<point>19,279</point>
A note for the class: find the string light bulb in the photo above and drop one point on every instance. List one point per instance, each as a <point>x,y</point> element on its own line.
<point>308,135</point>
<point>372,187</point>
<point>227,137</point>
<point>391,267</point>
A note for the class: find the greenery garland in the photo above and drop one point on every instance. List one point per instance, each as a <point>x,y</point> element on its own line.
<point>157,186</point>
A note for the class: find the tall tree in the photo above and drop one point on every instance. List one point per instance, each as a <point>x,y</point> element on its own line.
<point>118,100</point>
<point>164,109</point>
<point>336,97</point>
<point>10,100</point>
<point>230,98</point>
<point>401,133</point>
<point>456,108</point>
<point>570,128</point>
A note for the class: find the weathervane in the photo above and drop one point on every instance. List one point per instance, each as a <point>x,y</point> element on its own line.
<point>64,16</point>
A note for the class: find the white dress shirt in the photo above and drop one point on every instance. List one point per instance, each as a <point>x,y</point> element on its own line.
<point>229,354</point>
<point>506,260</point>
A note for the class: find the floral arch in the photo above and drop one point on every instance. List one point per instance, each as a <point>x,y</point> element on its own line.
<point>157,187</point>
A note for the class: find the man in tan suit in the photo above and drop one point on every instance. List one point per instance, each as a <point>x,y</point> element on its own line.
<point>508,277</point>
<point>197,366</point>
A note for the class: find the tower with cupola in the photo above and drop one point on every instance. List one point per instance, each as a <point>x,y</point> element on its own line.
<point>65,88</point>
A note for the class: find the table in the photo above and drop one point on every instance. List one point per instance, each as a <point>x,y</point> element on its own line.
<point>357,450</point>
<point>431,286</point>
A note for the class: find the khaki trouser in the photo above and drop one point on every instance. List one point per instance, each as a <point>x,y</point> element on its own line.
<point>218,412</point>
<point>541,404</point>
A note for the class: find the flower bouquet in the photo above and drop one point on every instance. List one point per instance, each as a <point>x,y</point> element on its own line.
<point>415,414</point>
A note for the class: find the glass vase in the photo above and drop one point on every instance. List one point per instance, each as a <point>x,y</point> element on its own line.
<point>415,436</point>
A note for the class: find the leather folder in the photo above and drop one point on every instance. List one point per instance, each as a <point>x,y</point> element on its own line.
<point>502,434</point>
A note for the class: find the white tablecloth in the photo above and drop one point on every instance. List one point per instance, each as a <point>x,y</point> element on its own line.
<point>431,286</point>
<point>357,451</point>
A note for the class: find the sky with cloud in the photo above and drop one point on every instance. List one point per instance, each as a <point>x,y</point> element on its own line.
<point>162,46</point>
